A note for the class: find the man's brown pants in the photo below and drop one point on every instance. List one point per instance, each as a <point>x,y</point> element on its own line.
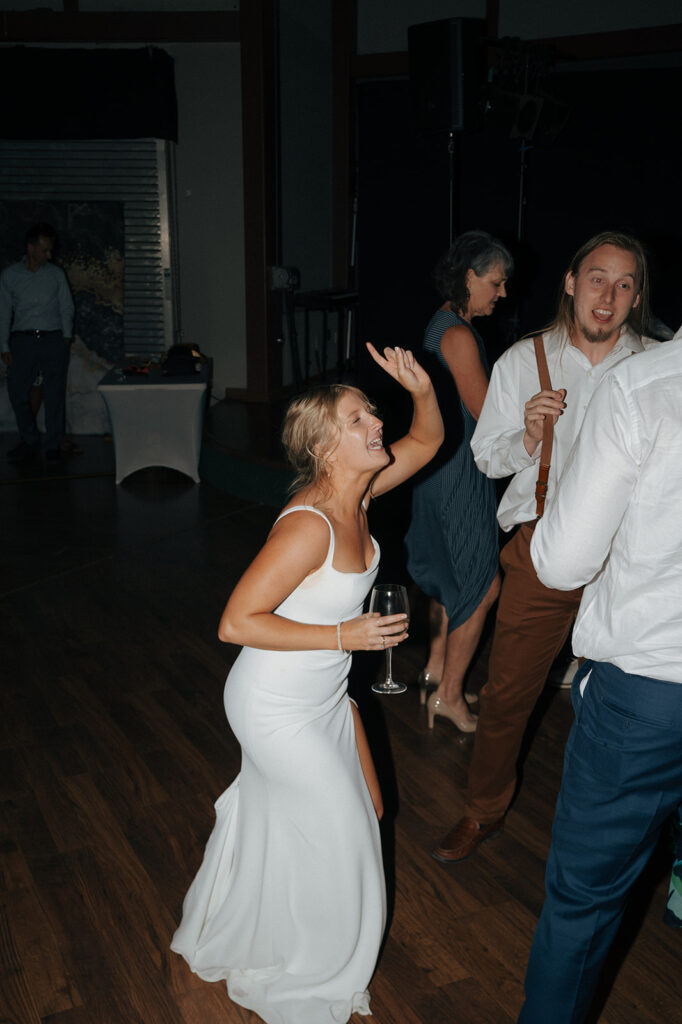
<point>533,623</point>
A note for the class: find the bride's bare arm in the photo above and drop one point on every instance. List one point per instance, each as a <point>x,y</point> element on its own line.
<point>297,545</point>
<point>425,435</point>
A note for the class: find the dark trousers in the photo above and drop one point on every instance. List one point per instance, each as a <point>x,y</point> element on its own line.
<point>47,354</point>
<point>532,625</point>
<point>622,780</point>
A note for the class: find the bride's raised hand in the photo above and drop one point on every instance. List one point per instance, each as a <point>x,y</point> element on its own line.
<point>425,435</point>
<point>401,364</point>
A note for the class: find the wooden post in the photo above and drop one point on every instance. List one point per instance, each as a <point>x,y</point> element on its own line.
<point>260,89</point>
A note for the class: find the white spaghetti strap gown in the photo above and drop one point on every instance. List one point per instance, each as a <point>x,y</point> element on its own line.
<point>289,904</point>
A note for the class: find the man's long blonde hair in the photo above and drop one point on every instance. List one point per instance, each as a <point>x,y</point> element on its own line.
<point>639,315</point>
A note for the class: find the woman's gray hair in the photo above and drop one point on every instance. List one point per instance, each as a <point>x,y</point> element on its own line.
<point>474,250</point>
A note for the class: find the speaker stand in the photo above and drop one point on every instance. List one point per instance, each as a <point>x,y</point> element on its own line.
<point>453,157</point>
<point>523,149</point>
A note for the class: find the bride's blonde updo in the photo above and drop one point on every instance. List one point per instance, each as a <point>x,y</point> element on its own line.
<point>311,431</point>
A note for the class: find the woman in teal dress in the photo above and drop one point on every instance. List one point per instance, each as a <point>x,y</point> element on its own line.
<point>452,543</point>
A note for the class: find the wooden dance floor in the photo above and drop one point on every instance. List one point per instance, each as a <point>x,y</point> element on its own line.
<point>114,745</point>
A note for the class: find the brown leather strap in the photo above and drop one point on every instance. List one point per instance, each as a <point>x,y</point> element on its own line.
<point>547,429</point>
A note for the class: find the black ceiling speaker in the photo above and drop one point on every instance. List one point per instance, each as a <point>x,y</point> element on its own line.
<point>447,62</point>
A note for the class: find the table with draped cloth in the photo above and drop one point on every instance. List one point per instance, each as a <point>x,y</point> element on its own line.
<point>156,420</point>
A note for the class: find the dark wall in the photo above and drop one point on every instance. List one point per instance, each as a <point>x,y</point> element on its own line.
<point>403,225</point>
<point>614,165</point>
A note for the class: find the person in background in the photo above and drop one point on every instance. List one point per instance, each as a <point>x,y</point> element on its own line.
<point>36,326</point>
<point>67,445</point>
<point>452,547</point>
<point>598,324</point>
<point>615,527</point>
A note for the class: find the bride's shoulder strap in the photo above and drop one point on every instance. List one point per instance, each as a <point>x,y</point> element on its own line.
<point>311,508</point>
<point>303,508</point>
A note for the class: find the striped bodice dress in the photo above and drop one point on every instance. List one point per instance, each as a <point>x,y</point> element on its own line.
<point>452,541</point>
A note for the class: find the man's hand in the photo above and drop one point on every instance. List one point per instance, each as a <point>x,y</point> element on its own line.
<point>536,410</point>
<point>7,358</point>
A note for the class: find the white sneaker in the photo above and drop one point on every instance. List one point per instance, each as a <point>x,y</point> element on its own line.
<point>561,676</point>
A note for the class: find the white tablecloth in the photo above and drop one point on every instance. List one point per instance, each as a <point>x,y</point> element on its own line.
<point>155,420</point>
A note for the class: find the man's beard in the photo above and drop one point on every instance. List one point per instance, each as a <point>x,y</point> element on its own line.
<point>601,334</point>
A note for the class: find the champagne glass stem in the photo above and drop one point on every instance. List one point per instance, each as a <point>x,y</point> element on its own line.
<point>389,665</point>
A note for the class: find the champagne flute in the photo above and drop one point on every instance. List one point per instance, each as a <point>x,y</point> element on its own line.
<point>389,599</point>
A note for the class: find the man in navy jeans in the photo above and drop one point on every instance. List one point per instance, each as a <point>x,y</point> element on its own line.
<point>36,325</point>
<point>615,525</point>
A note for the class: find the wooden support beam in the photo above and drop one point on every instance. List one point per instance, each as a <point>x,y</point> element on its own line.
<point>262,244</point>
<point>625,43</point>
<point>492,17</point>
<point>380,65</point>
<point>344,14</point>
<point>592,46</point>
<point>74,26</point>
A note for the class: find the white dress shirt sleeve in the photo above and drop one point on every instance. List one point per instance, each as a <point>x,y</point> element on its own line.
<point>572,541</point>
<point>497,442</point>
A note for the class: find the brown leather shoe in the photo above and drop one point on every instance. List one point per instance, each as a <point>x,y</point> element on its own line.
<point>463,840</point>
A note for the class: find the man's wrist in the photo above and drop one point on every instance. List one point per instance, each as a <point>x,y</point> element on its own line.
<point>530,444</point>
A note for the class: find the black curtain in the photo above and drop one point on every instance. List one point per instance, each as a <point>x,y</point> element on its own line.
<point>87,94</point>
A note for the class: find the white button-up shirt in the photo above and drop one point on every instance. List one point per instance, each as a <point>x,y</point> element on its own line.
<point>497,443</point>
<point>616,519</point>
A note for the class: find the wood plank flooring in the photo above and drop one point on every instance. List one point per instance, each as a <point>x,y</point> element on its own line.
<point>113,747</point>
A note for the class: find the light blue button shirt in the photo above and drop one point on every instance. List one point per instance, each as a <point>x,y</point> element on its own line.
<point>40,300</point>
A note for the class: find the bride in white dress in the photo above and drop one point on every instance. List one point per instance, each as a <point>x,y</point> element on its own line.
<point>289,904</point>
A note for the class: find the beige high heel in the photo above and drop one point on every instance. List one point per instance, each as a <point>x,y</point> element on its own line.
<point>426,682</point>
<point>437,706</point>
